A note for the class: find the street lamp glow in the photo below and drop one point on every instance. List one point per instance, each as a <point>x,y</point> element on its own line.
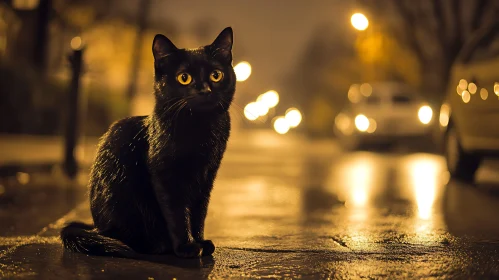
<point>269,99</point>
<point>281,126</point>
<point>251,111</point>
<point>76,43</point>
<point>359,21</point>
<point>293,117</point>
<point>243,71</point>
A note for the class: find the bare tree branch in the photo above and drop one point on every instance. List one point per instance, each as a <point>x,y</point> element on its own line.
<point>480,8</point>
<point>409,26</point>
<point>440,22</point>
<point>456,12</point>
<point>441,25</point>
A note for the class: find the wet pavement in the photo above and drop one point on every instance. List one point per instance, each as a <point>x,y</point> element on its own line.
<point>279,212</point>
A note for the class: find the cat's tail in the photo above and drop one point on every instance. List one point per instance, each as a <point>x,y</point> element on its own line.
<point>83,238</point>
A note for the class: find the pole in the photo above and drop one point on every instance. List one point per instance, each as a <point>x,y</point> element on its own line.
<point>137,48</point>
<point>41,35</point>
<point>71,136</point>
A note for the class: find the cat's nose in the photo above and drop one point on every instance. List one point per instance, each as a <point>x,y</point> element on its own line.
<point>205,90</point>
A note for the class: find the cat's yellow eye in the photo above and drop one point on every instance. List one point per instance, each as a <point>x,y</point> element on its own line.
<point>184,79</point>
<point>216,76</point>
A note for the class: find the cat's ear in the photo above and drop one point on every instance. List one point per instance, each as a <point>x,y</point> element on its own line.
<point>162,46</point>
<point>222,46</point>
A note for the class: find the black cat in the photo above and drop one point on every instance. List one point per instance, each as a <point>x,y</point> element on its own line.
<point>151,181</point>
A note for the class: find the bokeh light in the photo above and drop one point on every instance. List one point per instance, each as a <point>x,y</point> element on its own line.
<point>281,126</point>
<point>472,88</point>
<point>269,98</point>
<point>23,178</point>
<point>466,96</point>
<point>444,115</point>
<point>484,93</point>
<point>251,111</point>
<point>262,109</point>
<point>293,117</point>
<point>425,114</point>
<point>463,84</point>
<point>243,71</point>
<point>366,89</point>
<point>372,126</point>
<point>361,122</point>
<point>344,124</point>
<point>354,93</point>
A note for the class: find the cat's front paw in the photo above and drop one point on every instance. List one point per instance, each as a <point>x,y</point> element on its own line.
<point>189,250</point>
<point>208,247</point>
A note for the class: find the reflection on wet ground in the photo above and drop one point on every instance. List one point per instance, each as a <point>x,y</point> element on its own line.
<point>359,201</point>
<point>295,213</point>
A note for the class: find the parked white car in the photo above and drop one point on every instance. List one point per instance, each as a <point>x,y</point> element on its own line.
<point>469,116</point>
<point>383,113</point>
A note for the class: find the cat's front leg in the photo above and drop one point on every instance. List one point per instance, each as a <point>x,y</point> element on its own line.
<point>177,216</point>
<point>199,209</point>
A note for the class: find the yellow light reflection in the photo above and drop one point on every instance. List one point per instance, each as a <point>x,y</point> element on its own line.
<point>496,89</point>
<point>424,177</point>
<point>360,176</point>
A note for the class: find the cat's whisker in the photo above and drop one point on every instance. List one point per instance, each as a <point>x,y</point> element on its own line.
<point>174,104</point>
<point>172,107</point>
<point>240,113</point>
<point>221,105</point>
<point>161,115</point>
<point>176,114</point>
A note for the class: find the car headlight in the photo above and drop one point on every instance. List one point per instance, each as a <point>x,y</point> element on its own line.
<point>361,122</point>
<point>425,114</point>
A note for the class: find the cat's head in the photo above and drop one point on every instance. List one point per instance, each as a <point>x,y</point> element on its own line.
<point>202,79</point>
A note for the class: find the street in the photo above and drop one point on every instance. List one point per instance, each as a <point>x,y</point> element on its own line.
<point>280,212</point>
